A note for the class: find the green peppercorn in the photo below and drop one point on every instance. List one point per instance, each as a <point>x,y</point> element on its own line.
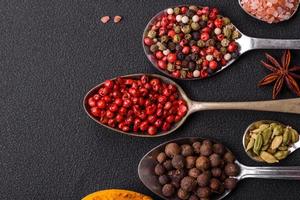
<point>152,34</point>
<point>204,18</point>
<point>176,38</point>
<point>177,29</point>
<point>227,31</point>
<point>223,50</point>
<point>194,8</point>
<point>161,46</point>
<point>183,74</point>
<point>170,67</point>
<point>187,36</point>
<point>202,24</point>
<point>201,43</point>
<point>153,48</point>
<point>193,42</point>
<point>164,38</point>
<point>186,29</point>
<point>171,45</point>
<point>225,42</point>
<point>210,42</point>
<point>190,13</point>
<point>195,26</point>
<point>235,35</point>
<point>226,21</point>
<point>176,11</point>
<point>199,61</point>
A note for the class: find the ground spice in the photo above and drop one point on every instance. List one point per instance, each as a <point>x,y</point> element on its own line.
<point>271,11</point>
<point>114,194</point>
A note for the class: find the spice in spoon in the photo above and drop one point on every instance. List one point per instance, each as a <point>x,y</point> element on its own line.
<point>271,11</point>
<point>191,41</point>
<point>196,170</point>
<point>281,73</point>
<point>270,142</point>
<point>145,105</point>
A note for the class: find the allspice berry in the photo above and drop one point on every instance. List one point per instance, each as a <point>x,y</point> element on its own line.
<point>215,160</point>
<point>214,184</point>
<point>168,165</point>
<point>197,147</point>
<point>163,179</point>
<point>232,169</point>
<point>168,190</point>
<point>190,162</point>
<point>194,172</point>
<point>186,150</point>
<point>203,179</point>
<point>178,161</point>
<point>182,194</point>
<point>172,149</point>
<point>229,157</point>
<point>203,192</point>
<point>193,197</point>
<point>230,183</point>
<point>202,163</point>
<point>219,149</point>
<point>206,149</point>
<point>161,157</point>
<point>216,172</point>
<point>159,169</point>
<point>188,184</point>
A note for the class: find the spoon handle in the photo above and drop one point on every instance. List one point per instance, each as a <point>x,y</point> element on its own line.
<point>285,106</point>
<point>289,173</point>
<point>262,43</point>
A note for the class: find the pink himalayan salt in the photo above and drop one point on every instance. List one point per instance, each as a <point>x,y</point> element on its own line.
<point>271,11</point>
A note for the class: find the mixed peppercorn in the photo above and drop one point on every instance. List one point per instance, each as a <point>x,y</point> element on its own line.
<point>143,105</point>
<point>196,171</point>
<point>191,42</point>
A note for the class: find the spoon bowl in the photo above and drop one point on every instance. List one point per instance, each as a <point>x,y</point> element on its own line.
<point>255,125</point>
<point>287,105</point>
<point>255,17</point>
<point>150,180</point>
<point>245,43</point>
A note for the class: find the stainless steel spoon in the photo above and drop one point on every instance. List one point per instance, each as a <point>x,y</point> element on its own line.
<point>246,43</point>
<point>286,105</point>
<point>150,180</point>
<point>292,14</point>
<point>252,126</point>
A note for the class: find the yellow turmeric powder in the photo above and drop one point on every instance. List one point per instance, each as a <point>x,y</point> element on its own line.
<point>115,194</point>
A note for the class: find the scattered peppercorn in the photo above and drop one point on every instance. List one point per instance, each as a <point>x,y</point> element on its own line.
<point>143,105</point>
<point>191,33</point>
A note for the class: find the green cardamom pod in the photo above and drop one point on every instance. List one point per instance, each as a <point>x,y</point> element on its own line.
<point>278,130</point>
<point>287,136</point>
<point>265,147</point>
<point>250,144</point>
<point>281,154</point>
<point>295,136</point>
<point>271,151</point>
<point>276,142</point>
<point>258,144</point>
<point>269,158</point>
<point>283,148</point>
<point>267,133</point>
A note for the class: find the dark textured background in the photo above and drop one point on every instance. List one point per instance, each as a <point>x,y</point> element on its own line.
<point>53,52</point>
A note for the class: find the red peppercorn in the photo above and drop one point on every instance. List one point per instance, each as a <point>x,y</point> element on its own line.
<point>220,37</point>
<point>170,119</point>
<point>123,111</point>
<point>206,30</point>
<point>151,119</point>
<point>127,103</point>
<point>176,74</point>
<point>205,63</point>
<point>109,114</point>
<point>150,109</point>
<point>148,41</point>
<point>125,128</point>
<point>195,49</point>
<point>103,91</point>
<point>171,57</point>
<point>182,110</point>
<point>218,23</point>
<point>95,111</point>
<point>152,130</point>
<point>109,84</point>
<point>168,105</point>
<point>144,126</point>
<point>162,64</point>
<point>210,24</point>
<point>119,101</point>
<point>101,104</point>
<point>159,55</point>
<point>183,9</point>
<point>186,50</point>
<point>232,47</point>
<point>213,65</point>
<point>91,102</point>
<point>204,36</point>
<point>119,118</point>
<point>113,108</point>
<point>96,97</point>
<point>158,123</point>
<point>166,126</point>
<point>203,73</point>
<point>171,33</point>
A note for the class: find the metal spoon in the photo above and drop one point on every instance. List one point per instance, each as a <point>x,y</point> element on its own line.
<point>252,126</point>
<point>150,180</point>
<point>246,43</point>
<point>292,14</point>
<point>287,105</point>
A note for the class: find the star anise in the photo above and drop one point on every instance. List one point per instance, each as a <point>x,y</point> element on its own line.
<point>281,73</point>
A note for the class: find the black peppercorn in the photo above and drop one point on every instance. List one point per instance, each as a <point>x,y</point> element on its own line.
<point>190,13</point>
<point>171,46</point>
<point>186,150</point>
<point>192,66</point>
<point>194,56</point>
<point>196,35</point>
<point>188,58</point>
<point>193,43</point>
<point>178,161</point>
<point>180,56</point>
<point>188,184</point>
<point>178,47</point>
<point>184,63</point>
<point>168,190</point>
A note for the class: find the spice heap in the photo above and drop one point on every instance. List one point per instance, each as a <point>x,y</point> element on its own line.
<point>144,105</point>
<point>191,42</point>
<point>196,171</point>
<point>271,11</point>
<point>114,194</point>
<point>281,73</point>
<point>270,142</point>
